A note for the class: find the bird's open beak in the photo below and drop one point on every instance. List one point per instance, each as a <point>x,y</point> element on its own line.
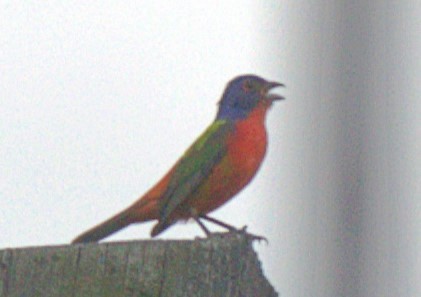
<point>269,86</point>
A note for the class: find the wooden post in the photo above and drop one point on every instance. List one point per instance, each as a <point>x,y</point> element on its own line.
<point>223,265</point>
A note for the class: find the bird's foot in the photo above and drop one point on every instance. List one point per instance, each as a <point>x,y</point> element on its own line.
<point>240,232</point>
<point>250,236</point>
<point>231,229</point>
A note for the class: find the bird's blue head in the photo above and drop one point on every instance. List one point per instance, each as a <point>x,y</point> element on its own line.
<point>243,94</point>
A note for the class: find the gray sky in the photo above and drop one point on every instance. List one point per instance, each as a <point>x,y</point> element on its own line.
<point>99,99</point>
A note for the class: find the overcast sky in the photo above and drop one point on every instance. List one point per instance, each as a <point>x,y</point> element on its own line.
<point>100,98</point>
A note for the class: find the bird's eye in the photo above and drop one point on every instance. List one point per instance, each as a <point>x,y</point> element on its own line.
<point>248,86</point>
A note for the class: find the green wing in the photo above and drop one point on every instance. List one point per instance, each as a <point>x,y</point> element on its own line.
<point>195,165</point>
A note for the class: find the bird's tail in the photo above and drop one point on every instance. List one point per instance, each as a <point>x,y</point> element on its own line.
<point>106,228</point>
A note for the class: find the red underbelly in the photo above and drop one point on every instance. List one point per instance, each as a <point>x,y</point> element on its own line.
<point>245,153</point>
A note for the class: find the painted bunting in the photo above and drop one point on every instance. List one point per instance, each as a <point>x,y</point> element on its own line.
<point>220,163</point>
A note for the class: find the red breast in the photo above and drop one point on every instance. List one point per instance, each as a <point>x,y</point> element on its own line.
<point>246,149</point>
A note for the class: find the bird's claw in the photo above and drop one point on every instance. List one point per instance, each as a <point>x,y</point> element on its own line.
<point>240,232</point>
<point>250,236</point>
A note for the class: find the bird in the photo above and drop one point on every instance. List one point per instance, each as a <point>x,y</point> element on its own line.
<point>216,167</point>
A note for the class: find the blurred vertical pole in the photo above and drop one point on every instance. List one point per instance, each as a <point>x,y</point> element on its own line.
<point>349,165</point>
<point>391,237</point>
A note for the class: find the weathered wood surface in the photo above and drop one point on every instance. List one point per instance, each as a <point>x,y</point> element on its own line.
<point>219,266</point>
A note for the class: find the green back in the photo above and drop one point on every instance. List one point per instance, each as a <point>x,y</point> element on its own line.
<point>195,165</point>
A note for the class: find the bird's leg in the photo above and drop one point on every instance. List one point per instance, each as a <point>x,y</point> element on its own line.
<point>202,226</point>
<point>232,228</point>
<point>219,223</point>
<point>194,214</point>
